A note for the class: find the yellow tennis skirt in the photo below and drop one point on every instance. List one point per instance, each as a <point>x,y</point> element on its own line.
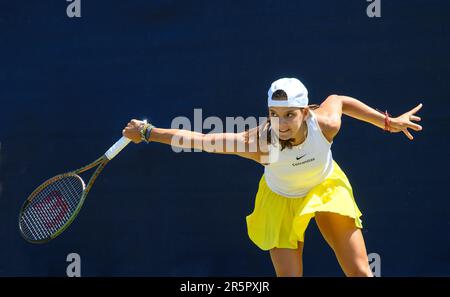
<point>281,222</point>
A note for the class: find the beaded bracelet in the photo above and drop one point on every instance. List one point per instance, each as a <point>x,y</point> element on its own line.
<point>146,131</point>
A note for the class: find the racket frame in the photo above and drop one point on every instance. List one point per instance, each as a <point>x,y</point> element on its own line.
<point>100,162</point>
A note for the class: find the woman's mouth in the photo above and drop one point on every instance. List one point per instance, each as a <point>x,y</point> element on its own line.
<point>284,131</point>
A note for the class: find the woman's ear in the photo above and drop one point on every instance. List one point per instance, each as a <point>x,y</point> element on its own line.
<point>305,111</point>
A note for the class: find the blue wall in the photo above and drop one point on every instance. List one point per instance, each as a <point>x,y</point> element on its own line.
<point>68,86</point>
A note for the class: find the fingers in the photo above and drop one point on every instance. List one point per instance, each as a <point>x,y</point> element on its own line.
<point>136,122</point>
<point>416,109</point>
<point>415,118</point>
<point>126,132</point>
<point>415,127</point>
<point>408,134</point>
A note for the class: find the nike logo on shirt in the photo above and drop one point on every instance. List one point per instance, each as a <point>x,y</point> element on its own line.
<point>298,158</point>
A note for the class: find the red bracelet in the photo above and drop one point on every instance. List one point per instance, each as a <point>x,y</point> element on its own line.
<point>387,120</point>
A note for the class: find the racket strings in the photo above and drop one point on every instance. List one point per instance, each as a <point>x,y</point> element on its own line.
<point>52,207</point>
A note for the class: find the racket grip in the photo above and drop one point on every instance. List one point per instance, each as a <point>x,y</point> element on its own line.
<point>117,147</point>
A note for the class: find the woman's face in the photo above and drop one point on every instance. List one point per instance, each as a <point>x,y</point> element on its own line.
<point>290,119</point>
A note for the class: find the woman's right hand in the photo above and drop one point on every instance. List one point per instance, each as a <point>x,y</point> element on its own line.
<point>133,130</point>
<point>405,121</point>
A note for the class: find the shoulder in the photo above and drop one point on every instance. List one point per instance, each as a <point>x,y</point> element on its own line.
<point>328,115</point>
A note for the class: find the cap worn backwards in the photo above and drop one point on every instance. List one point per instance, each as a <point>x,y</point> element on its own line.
<point>297,94</point>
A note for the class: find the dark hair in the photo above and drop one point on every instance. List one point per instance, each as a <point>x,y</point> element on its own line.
<point>281,95</point>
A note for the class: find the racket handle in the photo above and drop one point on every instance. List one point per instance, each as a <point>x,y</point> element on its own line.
<point>117,147</point>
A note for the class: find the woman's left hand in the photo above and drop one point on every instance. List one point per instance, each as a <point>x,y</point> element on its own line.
<point>404,122</point>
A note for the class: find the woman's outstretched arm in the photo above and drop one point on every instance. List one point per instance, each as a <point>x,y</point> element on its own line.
<point>222,143</point>
<point>336,105</point>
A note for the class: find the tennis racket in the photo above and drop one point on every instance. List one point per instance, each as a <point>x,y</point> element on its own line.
<point>53,206</point>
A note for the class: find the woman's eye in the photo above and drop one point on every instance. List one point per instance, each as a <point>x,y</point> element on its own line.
<point>290,115</point>
<point>272,114</point>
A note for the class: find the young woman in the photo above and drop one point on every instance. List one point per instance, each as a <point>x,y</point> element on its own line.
<point>301,180</point>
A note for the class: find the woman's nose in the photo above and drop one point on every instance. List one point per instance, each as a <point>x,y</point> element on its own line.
<point>283,123</point>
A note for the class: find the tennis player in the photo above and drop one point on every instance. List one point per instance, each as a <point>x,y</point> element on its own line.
<point>303,181</point>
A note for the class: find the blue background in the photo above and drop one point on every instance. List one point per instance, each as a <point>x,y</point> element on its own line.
<point>69,86</point>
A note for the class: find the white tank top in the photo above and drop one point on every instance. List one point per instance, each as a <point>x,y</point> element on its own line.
<point>294,172</point>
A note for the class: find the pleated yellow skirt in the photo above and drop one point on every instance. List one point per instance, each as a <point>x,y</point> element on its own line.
<point>281,222</point>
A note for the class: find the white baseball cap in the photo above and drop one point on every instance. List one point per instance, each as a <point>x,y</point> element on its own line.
<point>297,94</point>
